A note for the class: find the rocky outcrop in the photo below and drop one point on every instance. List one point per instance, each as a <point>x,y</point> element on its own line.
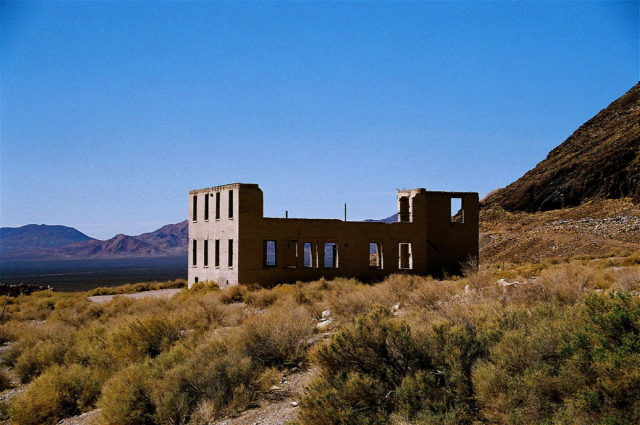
<point>600,160</point>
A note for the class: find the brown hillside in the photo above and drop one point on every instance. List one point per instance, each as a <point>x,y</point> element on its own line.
<point>597,228</point>
<point>601,160</point>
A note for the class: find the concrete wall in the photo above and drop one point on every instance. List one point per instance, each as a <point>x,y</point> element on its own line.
<point>438,245</point>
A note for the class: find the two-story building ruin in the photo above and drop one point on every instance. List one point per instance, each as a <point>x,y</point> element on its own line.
<point>231,242</point>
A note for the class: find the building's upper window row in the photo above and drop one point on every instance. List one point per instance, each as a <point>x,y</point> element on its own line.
<point>194,209</point>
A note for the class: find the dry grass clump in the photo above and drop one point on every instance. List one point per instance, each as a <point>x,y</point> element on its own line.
<point>567,283</point>
<point>626,279</point>
<point>5,380</point>
<point>277,337</point>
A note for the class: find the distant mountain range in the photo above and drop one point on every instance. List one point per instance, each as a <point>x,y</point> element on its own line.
<point>44,242</point>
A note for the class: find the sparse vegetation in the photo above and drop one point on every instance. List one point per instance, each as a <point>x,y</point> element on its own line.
<point>557,344</point>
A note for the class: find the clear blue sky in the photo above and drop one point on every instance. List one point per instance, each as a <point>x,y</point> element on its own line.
<point>111,111</point>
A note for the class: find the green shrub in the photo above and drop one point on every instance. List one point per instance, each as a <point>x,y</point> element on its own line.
<point>379,366</point>
<point>60,392</point>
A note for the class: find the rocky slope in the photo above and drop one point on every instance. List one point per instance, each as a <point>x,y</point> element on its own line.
<point>600,160</point>
<point>598,229</point>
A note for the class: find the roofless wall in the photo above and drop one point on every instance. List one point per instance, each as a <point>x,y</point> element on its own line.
<point>231,242</point>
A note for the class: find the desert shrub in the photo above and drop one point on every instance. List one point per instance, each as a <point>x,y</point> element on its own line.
<point>379,366</point>
<point>203,313</point>
<point>36,306</point>
<point>626,279</point>
<point>276,337</point>
<point>5,380</point>
<point>233,294</point>
<point>204,286</point>
<point>60,392</point>
<point>566,284</point>
<point>139,338</point>
<point>38,348</point>
<point>575,365</point>
<point>262,298</point>
<point>428,293</point>
<point>125,398</point>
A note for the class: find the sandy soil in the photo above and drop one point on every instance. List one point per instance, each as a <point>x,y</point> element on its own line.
<point>158,293</point>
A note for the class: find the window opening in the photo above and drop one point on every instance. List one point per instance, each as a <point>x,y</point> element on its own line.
<point>330,255</point>
<point>457,212</point>
<point>406,262</point>
<point>216,255</point>
<point>375,255</point>
<point>270,253</point>
<point>404,215</point>
<point>194,253</point>
<point>195,208</point>
<point>231,204</point>
<point>230,253</point>
<point>307,252</point>
<point>217,205</point>
<point>205,252</point>
<point>206,206</point>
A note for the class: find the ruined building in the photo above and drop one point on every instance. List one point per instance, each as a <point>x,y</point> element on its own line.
<point>231,242</point>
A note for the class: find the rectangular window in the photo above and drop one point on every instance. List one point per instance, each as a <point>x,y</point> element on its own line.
<point>406,262</point>
<point>194,253</point>
<point>307,252</point>
<point>194,212</point>
<point>205,252</point>
<point>291,254</point>
<point>231,204</point>
<point>206,206</point>
<point>216,254</point>
<point>230,252</point>
<point>457,212</point>
<point>375,255</point>
<point>330,255</point>
<point>404,214</point>
<point>217,205</point>
<point>270,248</point>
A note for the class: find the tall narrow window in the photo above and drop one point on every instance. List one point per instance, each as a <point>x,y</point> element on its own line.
<point>230,253</point>
<point>205,252</point>
<point>231,204</point>
<point>194,253</point>
<point>216,254</point>
<point>291,254</point>
<point>217,205</point>
<point>270,248</point>
<point>206,206</point>
<point>404,214</point>
<point>405,260</point>
<point>330,255</point>
<point>307,253</point>
<point>194,213</point>
<point>375,255</point>
<point>457,211</point>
